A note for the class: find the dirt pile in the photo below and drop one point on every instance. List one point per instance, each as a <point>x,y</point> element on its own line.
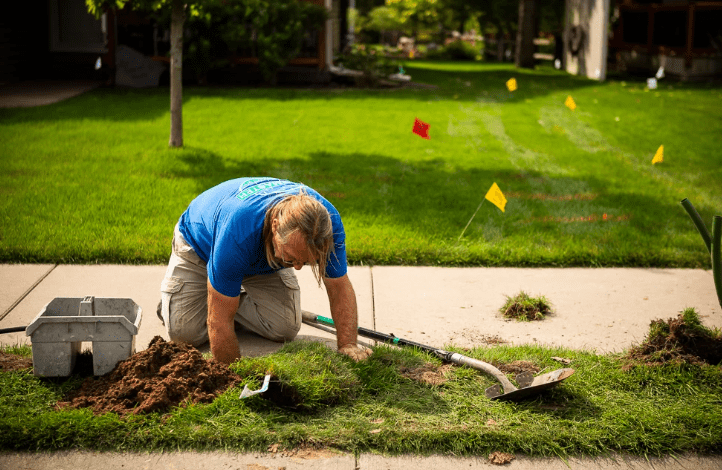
<point>165,375</point>
<point>10,362</point>
<point>679,340</point>
<point>500,458</point>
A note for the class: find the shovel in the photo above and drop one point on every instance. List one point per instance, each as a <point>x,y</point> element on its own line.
<point>528,384</point>
<point>247,392</point>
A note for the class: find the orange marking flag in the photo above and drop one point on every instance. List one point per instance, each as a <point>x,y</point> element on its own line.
<point>421,129</point>
<point>511,84</point>
<point>496,197</point>
<point>659,156</point>
<point>570,103</point>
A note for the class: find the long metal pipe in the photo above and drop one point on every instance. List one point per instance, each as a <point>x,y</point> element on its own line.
<point>717,255</point>
<point>701,227</point>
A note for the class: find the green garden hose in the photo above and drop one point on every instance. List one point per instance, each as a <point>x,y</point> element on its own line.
<point>701,227</point>
<point>717,255</point>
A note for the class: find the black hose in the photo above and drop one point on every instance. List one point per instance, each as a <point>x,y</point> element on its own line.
<point>14,329</point>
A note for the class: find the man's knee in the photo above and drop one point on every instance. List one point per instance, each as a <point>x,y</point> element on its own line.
<point>287,334</point>
<point>186,325</point>
<point>186,335</point>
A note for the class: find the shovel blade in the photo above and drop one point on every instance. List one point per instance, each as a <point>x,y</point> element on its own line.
<point>538,385</point>
<point>493,391</point>
<point>247,392</point>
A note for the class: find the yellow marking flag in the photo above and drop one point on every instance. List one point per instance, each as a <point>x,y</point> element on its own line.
<point>496,197</point>
<point>570,103</point>
<point>511,84</point>
<point>659,156</point>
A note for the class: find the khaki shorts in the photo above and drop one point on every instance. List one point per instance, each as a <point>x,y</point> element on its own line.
<point>270,304</point>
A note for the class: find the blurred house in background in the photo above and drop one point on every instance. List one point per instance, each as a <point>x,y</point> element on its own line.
<point>59,39</point>
<point>683,37</point>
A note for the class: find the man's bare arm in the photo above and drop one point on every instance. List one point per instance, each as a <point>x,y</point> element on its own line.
<point>221,333</point>
<point>342,299</point>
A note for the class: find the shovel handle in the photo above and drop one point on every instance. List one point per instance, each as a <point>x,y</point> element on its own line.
<point>311,318</point>
<point>456,358</point>
<point>485,367</point>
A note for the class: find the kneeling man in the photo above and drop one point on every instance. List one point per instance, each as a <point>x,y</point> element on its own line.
<point>233,250</point>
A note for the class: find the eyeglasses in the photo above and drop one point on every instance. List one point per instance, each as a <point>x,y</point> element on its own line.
<point>291,261</point>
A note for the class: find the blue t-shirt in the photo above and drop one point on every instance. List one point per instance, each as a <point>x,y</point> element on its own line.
<point>224,225</point>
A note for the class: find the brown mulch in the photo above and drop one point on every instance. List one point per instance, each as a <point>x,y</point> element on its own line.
<point>11,362</point>
<point>682,344</point>
<point>166,375</point>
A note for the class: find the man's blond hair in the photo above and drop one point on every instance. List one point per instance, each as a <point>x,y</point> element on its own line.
<point>304,214</point>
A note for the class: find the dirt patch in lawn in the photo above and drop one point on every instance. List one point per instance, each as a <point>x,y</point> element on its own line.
<point>678,340</point>
<point>428,374</point>
<point>11,362</point>
<point>165,375</point>
<point>517,367</point>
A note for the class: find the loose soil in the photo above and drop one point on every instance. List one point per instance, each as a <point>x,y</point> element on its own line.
<point>683,343</point>
<point>476,337</point>
<point>500,458</point>
<point>428,374</point>
<point>166,375</point>
<point>11,362</point>
<point>517,367</point>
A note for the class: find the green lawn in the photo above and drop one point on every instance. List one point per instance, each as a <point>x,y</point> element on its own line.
<point>91,179</point>
<point>371,407</point>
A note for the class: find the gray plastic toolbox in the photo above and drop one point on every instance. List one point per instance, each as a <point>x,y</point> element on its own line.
<point>57,332</point>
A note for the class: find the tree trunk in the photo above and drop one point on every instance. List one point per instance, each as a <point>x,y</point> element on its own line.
<point>176,73</point>
<point>526,33</point>
<point>499,45</point>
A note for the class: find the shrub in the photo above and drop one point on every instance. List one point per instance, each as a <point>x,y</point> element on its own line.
<point>372,60</point>
<point>272,30</point>
<point>461,50</point>
<point>457,50</point>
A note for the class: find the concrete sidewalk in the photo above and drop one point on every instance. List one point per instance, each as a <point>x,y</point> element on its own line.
<point>604,310</point>
<point>330,461</point>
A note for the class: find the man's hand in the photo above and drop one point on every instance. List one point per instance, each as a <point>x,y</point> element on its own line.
<point>221,334</point>
<point>355,353</point>
<point>342,300</point>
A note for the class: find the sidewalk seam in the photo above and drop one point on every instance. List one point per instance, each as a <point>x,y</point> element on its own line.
<point>27,292</point>
<point>373,297</point>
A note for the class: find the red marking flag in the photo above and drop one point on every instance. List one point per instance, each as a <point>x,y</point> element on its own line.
<point>421,129</point>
